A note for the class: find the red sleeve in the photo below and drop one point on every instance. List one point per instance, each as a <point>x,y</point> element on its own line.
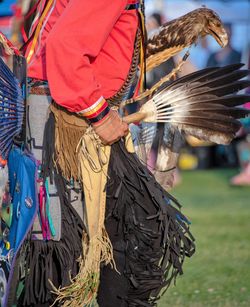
<point>73,43</point>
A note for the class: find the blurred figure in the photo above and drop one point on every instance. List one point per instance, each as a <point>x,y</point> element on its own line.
<point>243,149</point>
<point>154,21</point>
<point>243,178</point>
<point>225,156</point>
<point>200,53</point>
<point>227,55</point>
<point>23,15</point>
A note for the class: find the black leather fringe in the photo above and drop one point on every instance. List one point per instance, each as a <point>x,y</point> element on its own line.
<point>144,224</point>
<point>52,260</point>
<point>150,237</point>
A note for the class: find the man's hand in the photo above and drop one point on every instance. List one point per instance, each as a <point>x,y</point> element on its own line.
<point>111,129</point>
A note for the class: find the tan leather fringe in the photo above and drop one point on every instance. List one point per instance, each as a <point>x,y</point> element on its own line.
<point>81,155</point>
<point>69,129</point>
<point>84,287</point>
<point>93,159</point>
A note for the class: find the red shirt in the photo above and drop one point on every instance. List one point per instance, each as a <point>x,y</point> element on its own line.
<point>85,51</point>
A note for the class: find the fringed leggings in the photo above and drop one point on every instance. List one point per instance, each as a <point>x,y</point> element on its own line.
<point>150,237</point>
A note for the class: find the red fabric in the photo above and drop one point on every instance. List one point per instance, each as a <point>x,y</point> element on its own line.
<point>86,50</point>
<point>133,1</point>
<point>17,11</point>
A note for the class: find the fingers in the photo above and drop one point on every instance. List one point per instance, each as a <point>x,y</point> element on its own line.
<point>111,129</point>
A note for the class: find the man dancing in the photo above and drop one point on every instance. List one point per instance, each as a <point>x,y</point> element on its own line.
<point>85,56</point>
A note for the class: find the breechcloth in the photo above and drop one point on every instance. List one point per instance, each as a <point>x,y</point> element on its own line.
<point>149,236</point>
<point>114,286</point>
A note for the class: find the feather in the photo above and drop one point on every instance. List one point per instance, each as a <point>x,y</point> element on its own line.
<point>200,102</point>
<point>231,127</point>
<point>186,78</point>
<point>203,75</point>
<point>218,110</point>
<point>237,113</point>
<point>233,100</point>
<point>188,93</point>
<point>206,134</point>
<point>229,100</point>
<point>174,36</point>
<point>220,81</point>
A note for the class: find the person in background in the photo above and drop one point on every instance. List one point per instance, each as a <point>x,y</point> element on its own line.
<point>227,55</point>
<point>243,149</point>
<point>225,156</point>
<point>153,23</point>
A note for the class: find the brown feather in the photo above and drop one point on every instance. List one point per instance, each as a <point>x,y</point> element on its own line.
<point>182,32</point>
<point>204,75</point>
<point>199,123</point>
<point>162,56</point>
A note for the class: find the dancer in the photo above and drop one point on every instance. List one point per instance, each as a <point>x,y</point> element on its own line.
<point>79,64</point>
<point>105,228</point>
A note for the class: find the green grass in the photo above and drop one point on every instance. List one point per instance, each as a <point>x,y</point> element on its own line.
<point>219,272</point>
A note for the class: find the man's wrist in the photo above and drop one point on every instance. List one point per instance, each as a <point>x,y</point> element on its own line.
<point>100,117</point>
<point>97,112</point>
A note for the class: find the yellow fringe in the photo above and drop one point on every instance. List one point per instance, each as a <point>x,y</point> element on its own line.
<point>93,159</point>
<point>38,29</point>
<point>84,287</point>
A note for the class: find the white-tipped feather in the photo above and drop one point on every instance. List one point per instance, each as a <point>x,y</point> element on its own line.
<point>201,104</point>
<point>148,133</point>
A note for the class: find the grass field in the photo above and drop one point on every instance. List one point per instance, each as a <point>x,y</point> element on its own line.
<point>219,272</point>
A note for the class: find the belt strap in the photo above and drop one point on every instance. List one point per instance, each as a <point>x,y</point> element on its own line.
<point>133,6</point>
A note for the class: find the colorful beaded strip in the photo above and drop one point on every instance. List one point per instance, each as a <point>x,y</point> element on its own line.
<point>97,111</point>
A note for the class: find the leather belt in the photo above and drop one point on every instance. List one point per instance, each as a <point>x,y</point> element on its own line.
<point>39,90</point>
